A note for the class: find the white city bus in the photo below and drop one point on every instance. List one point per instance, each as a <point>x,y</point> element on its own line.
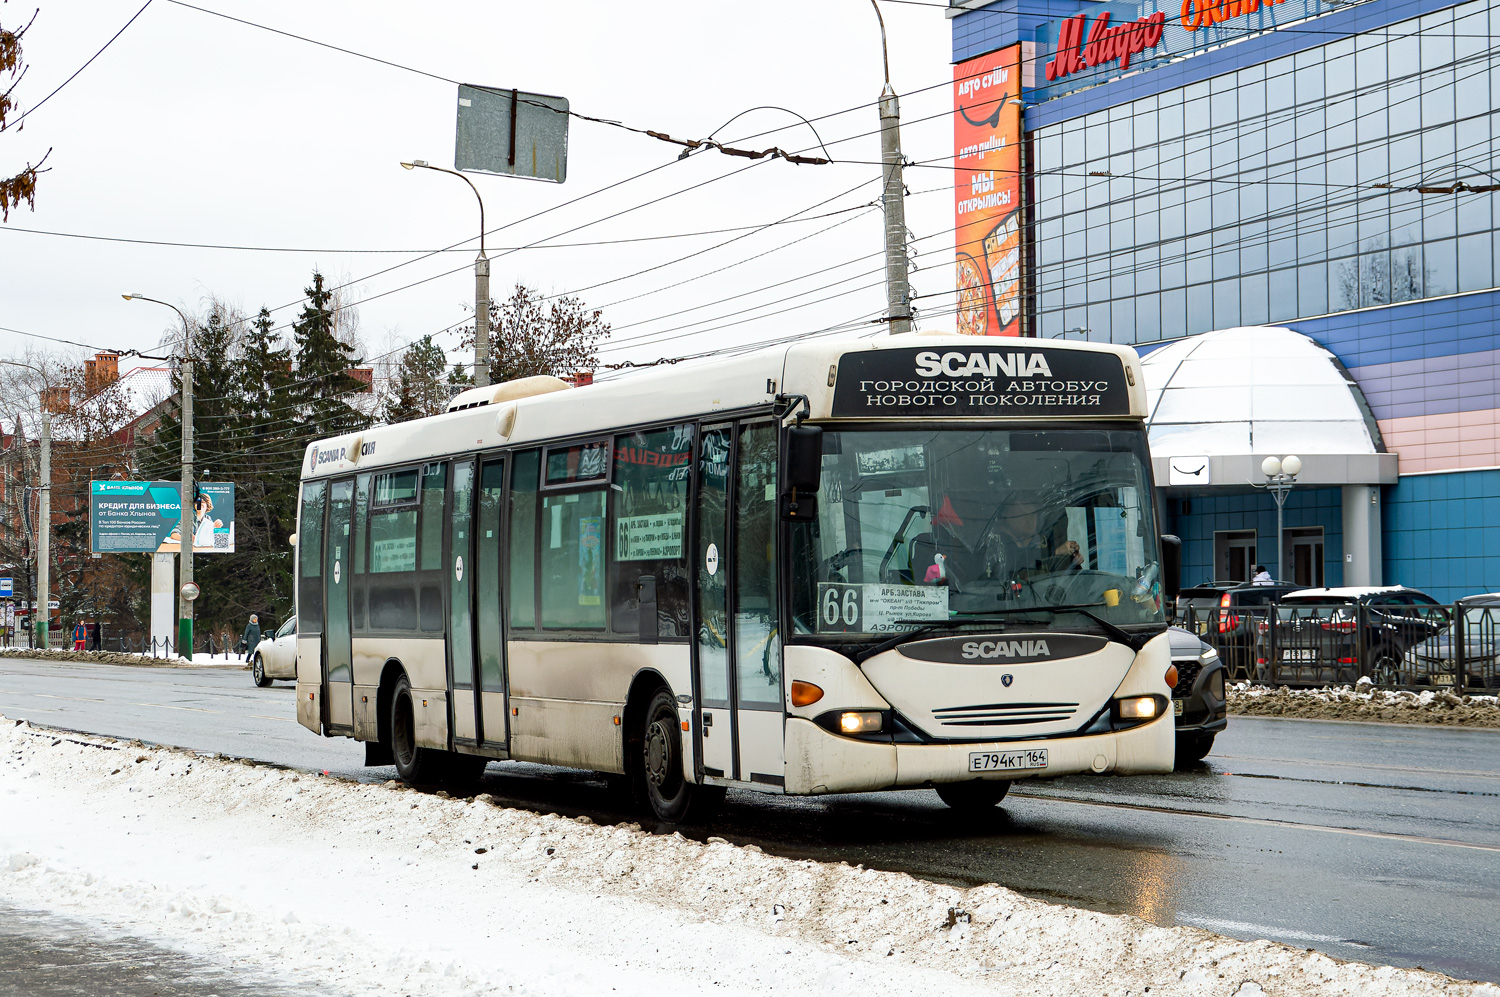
<point>829,567</point>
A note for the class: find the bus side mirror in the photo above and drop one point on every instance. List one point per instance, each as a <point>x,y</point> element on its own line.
<point>1171,566</point>
<point>801,471</point>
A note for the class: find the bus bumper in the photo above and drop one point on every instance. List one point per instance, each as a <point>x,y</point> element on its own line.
<point>820,762</point>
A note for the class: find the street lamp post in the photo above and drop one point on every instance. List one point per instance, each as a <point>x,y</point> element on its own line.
<point>1281,473</point>
<point>41,618</point>
<point>481,282</point>
<point>185,528</point>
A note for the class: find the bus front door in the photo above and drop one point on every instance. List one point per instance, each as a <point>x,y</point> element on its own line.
<point>738,647</point>
<point>489,633</point>
<point>464,702</point>
<point>714,723</point>
<point>337,573</point>
<point>759,713</point>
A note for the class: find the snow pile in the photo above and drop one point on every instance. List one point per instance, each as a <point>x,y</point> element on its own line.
<point>383,890</point>
<point>233,660</point>
<point>1363,701</point>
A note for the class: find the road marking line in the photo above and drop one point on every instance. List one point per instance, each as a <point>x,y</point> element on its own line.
<point>1267,822</point>
<point>1364,765</point>
<point>259,716</point>
<point>1259,930</point>
<point>72,699</point>
<point>164,706</point>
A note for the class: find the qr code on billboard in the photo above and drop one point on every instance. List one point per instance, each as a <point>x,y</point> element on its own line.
<point>221,541</point>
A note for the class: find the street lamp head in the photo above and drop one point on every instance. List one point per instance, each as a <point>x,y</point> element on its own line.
<point>1292,465</point>
<point>1270,467</point>
<point>131,296</point>
<point>413,163</point>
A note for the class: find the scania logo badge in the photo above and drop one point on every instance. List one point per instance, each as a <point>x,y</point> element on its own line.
<point>1006,680</point>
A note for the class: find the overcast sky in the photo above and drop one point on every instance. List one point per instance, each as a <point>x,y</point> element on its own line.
<point>193,128</point>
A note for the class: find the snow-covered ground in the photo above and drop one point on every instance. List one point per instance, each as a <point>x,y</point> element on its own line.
<point>200,660</point>
<point>1363,701</point>
<point>361,889</point>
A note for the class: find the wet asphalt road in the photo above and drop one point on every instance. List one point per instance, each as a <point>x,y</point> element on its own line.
<point>1373,842</point>
<point>42,955</point>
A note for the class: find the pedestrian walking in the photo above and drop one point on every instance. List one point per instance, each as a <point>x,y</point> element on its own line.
<point>96,637</point>
<point>251,637</point>
<point>80,636</point>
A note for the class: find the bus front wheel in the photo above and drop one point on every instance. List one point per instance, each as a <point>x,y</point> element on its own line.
<point>415,766</point>
<point>970,797</point>
<point>658,765</point>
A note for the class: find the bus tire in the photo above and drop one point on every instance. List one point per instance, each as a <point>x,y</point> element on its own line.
<point>973,796</point>
<point>1192,749</point>
<point>258,672</point>
<point>414,765</point>
<point>657,767</point>
<point>464,771</point>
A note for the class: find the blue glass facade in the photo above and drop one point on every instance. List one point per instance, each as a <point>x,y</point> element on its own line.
<point>1238,186</point>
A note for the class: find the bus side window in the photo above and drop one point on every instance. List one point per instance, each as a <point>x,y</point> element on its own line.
<point>361,531</point>
<point>393,552</point>
<point>310,557</point>
<point>648,528</point>
<point>523,492</point>
<point>572,574</point>
<point>430,605</point>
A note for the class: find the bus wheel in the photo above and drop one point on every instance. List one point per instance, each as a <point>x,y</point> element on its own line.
<point>258,672</point>
<point>464,771</point>
<point>1192,749</point>
<point>970,797</point>
<point>659,765</point>
<point>417,766</point>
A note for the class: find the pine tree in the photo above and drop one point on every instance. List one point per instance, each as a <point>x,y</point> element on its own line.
<point>421,388</point>
<point>323,382</point>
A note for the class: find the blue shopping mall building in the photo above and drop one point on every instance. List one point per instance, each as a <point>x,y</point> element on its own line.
<point>1290,208</point>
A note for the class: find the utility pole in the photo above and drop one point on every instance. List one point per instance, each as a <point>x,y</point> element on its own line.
<point>186,591</point>
<point>43,617</point>
<point>481,281</point>
<point>893,197</point>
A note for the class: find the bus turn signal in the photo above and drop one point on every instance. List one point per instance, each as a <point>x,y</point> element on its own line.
<point>805,694</point>
<point>1171,676</point>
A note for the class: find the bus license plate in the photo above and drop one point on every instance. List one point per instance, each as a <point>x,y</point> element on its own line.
<point>1007,761</point>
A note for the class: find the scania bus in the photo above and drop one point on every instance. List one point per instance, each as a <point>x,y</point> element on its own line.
<point>827,567</point>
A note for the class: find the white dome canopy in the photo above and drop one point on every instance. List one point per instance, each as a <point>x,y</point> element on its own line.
<point>1237,396</point>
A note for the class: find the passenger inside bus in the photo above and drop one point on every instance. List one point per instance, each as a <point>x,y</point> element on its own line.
<point>1012,545</point>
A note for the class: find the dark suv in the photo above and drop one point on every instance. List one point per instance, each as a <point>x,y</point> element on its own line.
<point>1229,616</point>
<point>1198,698</point>
<point>1334,635</point>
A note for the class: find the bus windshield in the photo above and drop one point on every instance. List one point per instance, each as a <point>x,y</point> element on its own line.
<point>917,526</point>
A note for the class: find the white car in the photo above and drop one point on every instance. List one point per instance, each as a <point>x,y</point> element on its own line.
<point>276,656</point>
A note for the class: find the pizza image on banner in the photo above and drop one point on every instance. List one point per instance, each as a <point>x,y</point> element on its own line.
<point>987,195</point>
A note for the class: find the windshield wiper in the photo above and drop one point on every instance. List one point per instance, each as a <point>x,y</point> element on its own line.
<point>1133,641</point>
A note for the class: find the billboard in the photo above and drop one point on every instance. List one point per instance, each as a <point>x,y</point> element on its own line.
<point>1113,38</point>
<point>142,517</point>
<point>987,192</point>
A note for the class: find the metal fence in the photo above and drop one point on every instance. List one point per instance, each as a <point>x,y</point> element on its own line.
<point>1397,647</point>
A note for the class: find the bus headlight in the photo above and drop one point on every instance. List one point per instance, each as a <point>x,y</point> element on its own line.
<point>1133,710</point>
<point>861,723</point>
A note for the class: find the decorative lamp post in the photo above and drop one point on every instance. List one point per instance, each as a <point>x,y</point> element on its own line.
<point>1281,474</point>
